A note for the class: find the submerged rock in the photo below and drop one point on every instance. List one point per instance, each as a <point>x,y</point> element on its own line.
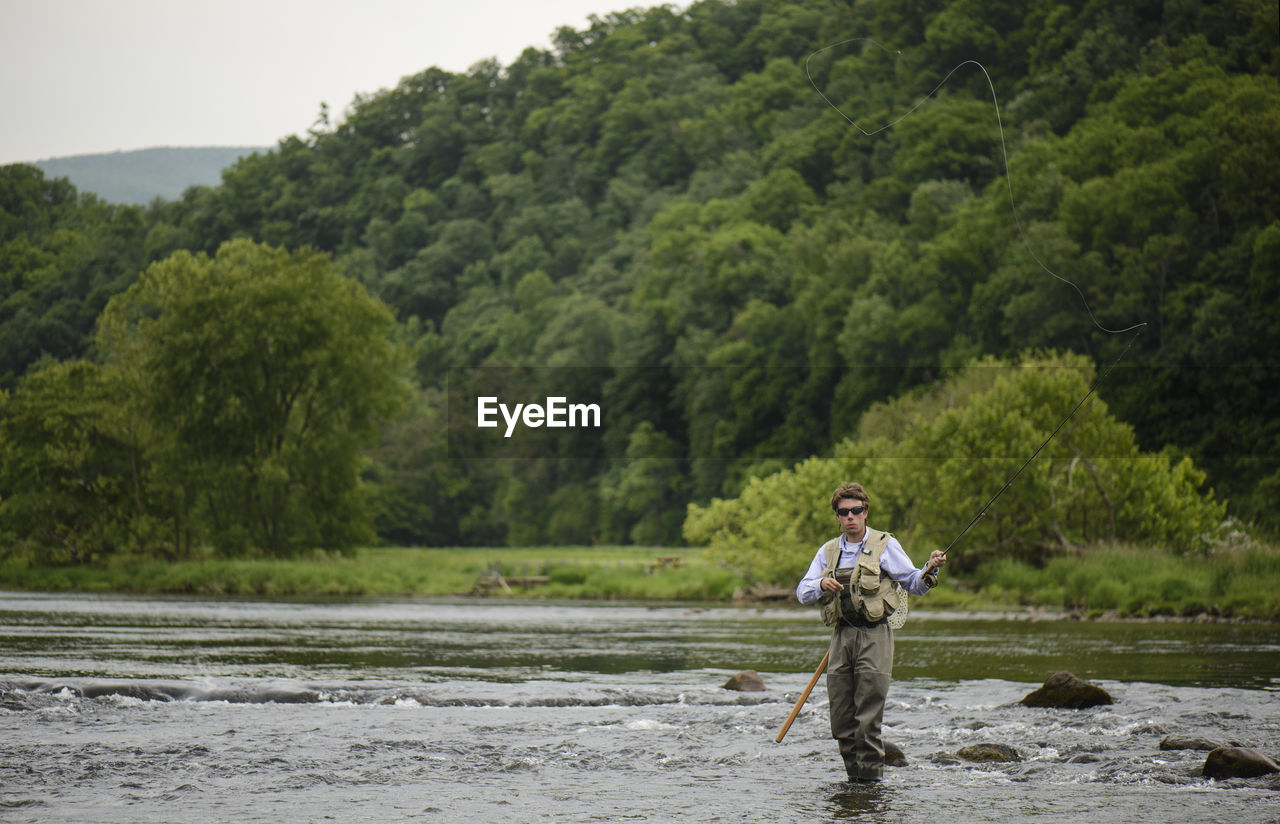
<point>893,756</point>
<point>1085,758</point>
<point>989,752</point>
<point>1175,742</point>
<point>745,681</point>
<point>1238,762</point>
<point>1062,689</point>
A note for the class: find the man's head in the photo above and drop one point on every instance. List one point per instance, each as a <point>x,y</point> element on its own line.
<point>850,503</point>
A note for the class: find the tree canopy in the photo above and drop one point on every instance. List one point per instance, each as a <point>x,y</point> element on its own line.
<point>663,196</point>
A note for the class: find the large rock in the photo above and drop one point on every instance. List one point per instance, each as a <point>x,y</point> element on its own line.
<point>1176,742</point>
<point>894,756</point>
<point>1238,762</point>
<point>989,752</point>
<point>745,681</point>
<point>1062,689</point>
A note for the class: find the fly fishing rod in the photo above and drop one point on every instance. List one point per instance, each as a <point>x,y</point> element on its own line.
<point>804,696</point>
<point>795,711</point>
<point>1092,388</point>
<point>1013,209</point>
<point>1136,328</point>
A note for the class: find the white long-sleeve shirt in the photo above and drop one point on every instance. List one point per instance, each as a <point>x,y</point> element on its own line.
<point>893,560</point>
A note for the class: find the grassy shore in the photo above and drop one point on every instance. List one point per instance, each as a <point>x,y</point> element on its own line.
<point>1115,580</point>
<point>1134,581</point>
<point>569,572</point>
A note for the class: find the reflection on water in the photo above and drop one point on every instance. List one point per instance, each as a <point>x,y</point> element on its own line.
<point>173,637</point>
<point>860,802</point>
<point>1209,654</point>
<point>125,709</point>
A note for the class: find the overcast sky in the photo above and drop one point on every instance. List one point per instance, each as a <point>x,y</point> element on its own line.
<point>89,76</point>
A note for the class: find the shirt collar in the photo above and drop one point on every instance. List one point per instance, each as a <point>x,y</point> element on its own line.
<point>845,546</point>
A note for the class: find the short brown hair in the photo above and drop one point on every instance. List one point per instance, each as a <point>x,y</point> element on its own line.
<point>849,490</point>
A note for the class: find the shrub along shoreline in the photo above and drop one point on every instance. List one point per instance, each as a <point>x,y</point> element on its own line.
<point>1101,581</point>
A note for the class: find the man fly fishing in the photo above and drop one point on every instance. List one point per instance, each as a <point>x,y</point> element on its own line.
<point>855,577</point>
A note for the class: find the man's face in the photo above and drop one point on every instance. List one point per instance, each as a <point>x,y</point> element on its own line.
<point>854,519</point>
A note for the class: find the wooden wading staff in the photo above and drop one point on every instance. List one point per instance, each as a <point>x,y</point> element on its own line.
<point>804,697</point>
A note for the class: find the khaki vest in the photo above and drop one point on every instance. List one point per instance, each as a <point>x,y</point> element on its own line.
<point>872,592</point>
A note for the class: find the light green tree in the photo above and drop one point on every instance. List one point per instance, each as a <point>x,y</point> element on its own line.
<point>932,460</point>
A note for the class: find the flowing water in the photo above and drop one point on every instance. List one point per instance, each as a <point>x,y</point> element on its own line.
<point>131,709</point>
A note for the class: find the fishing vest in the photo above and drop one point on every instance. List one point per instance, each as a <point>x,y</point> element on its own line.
<point>871,593</point>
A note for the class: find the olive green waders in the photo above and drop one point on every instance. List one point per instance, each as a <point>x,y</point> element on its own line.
<point>857,684</point>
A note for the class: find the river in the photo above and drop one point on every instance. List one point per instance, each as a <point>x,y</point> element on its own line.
<point>166,709</point>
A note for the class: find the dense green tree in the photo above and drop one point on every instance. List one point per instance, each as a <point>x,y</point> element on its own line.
<point>420,496</point>
<point>62,255</point>
<point>261,373</point>
<point>73,474</point>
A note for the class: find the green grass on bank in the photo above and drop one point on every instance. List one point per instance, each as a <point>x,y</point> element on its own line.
<point>573,572</point>
<point>1124,580</point>
<point>1136,581</point>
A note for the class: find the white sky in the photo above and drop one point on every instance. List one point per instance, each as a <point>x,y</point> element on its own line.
<point>89,76</point>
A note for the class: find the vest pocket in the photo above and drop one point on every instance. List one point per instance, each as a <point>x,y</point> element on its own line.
<point>830,608</point>
<point>868,574</point>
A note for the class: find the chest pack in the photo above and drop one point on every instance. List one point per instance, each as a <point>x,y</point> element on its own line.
<point>870,593</point>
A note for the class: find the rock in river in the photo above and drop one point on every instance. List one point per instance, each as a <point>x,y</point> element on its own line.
<point>1238,762</point>
<point>893,755</point>
<point>989,752</point>
<point>745,681</point>
<point>1177,742</point>
<point>1062,689</point>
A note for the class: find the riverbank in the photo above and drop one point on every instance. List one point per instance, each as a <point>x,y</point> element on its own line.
<point>592,573</point>
<point>1100,582</point>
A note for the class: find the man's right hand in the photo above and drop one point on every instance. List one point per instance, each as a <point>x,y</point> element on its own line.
<point>830,585</point>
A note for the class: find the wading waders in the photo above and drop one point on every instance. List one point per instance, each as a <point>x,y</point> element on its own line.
<point>861,656</point>
<point>858,677</point>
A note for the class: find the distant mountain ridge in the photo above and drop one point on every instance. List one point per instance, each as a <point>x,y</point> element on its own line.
<point>142,175</point>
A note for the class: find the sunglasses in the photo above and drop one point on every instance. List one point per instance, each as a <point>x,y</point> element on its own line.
<point>852,510</point>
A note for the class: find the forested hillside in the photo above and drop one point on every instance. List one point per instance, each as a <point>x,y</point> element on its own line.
<point>665,197</point>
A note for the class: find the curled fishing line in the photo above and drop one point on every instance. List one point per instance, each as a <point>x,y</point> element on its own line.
<point>1004,152</point>
<point>1092,388</point>
<point>1008,177</point>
